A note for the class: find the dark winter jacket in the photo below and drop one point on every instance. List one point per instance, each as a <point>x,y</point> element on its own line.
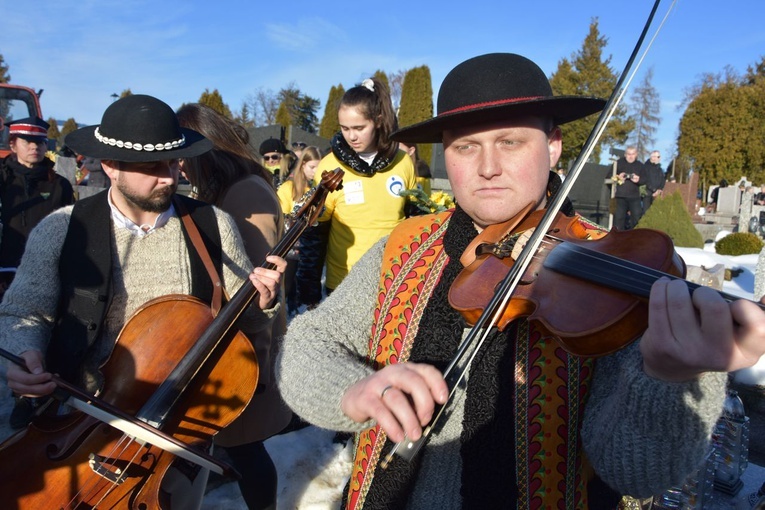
<point>27,195</point>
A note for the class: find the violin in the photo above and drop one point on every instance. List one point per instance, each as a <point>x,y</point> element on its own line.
<point>589,294</point>
<point>499,285</point>
<point>81,461</point>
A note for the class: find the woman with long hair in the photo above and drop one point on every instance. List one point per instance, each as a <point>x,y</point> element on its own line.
<point>230,177</point>
<point>305,289</point>
<point>368,206</point>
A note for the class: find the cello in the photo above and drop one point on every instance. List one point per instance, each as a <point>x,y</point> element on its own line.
<point>177,369</point>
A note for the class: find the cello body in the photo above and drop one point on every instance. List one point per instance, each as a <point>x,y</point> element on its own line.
<point>76,461</point>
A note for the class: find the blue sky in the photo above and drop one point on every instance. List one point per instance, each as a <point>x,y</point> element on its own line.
<point>81,52</point>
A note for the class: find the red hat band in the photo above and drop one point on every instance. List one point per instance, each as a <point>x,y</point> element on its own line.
<point>27,130</point>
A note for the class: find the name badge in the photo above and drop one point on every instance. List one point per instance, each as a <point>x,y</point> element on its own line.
<point>354,192</point>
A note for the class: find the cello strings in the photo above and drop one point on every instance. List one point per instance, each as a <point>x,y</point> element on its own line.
<point>93,485</point>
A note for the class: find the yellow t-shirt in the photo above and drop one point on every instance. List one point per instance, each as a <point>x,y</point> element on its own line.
<point>284,193</point>
<point>365,210</point>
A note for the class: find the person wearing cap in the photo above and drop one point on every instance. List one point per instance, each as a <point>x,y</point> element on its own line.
<point>276,159</point>
<point>89,267</point>
<point>30,189</point>
<point>530,426</point>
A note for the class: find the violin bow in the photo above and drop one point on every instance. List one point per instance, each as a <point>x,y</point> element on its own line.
<point>103,411</point>
<point>491,315</point>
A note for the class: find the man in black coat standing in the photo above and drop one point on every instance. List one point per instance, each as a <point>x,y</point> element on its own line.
<point>630,176</point>
<point>655,179</point>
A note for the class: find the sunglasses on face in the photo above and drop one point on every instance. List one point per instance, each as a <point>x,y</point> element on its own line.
<point>299,145</point>
<point>273,157</point>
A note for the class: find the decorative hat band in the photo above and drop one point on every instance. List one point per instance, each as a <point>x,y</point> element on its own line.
<point>141,147</point>
<point>27,130</point>
<point>490,103</point>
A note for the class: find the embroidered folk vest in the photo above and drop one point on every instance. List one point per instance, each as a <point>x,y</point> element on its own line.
<point>551,385</point>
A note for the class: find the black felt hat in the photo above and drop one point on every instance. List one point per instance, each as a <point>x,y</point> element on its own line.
<point>493,87</point>
<point>272,145</point>
<point>138,129</point>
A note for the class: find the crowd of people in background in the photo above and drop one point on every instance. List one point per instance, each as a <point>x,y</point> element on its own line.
<point>243,201</point>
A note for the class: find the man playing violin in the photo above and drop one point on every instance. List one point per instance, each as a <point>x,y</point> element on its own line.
<point>88,267</point>
<point>531,426</point>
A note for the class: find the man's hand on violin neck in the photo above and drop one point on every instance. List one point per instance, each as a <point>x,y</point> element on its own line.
<point>33,382</point>
<point>690,335</point>
<point>401,398</point>
<point>267,280</point>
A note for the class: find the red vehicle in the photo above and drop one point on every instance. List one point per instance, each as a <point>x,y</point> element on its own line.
<point>16,102</point>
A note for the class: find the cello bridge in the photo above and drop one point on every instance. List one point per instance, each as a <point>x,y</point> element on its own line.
<point>107,469</point>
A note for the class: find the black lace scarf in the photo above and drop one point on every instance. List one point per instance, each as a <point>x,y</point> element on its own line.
<point>347,156</point>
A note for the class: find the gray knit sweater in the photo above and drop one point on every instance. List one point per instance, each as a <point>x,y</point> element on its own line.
<point>143,268</point>
<point>640,434</point>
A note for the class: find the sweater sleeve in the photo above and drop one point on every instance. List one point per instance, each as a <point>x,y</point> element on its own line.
<point>324,351</point>
<point>29,307</point>
<point>643,435</point>
<point>236,270</point>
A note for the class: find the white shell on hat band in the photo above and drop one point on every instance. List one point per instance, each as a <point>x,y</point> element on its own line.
<point>140,147</point>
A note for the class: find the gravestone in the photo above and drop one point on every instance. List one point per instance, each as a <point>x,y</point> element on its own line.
<point>728,200</point>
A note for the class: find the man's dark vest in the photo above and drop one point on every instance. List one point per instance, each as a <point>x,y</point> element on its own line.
<point>85,271</point>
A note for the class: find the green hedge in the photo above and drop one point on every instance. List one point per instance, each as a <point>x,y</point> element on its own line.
<point>670,215</point>
<point>739,243</point>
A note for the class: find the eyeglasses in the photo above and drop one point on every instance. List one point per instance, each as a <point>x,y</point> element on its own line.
<point>273,157</point>
<point>299,145</point>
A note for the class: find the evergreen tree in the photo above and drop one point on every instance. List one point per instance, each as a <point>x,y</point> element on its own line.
<point>417,104</point>
<point>69,126</point>
<point>300,108</point>
<point>215,101</point>
<point>329,123</point>
<point>646,108</point>
<point>282,116</point>
<point>586,73</point>
<point>380,75</point>
<point>4,76</point>
<point>243,117</point>
<point>306,108</point>
<point>53,132</point>
<point>722,119</point>
<point>670,215</point>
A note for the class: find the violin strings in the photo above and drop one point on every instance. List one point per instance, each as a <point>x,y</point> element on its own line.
<point>615,273</point>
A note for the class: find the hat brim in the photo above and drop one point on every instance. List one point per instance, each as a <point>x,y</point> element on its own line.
<point>83,141</point>
<point>561,109</point>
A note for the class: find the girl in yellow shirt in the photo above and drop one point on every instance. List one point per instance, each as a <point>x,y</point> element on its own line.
<point>302,287</point>
<point>368,206</point>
